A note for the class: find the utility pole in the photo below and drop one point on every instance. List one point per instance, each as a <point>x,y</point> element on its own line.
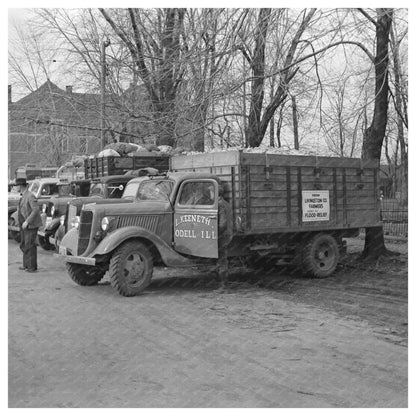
<point>104,45</point>
<point>295,122</point>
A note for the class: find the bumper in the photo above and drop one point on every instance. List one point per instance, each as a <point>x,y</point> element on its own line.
<point>87,261</point>
<point>63,255</point>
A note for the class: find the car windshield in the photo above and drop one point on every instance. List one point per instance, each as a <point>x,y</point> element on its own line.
<point>115,190</point>
<point>14,189</point>
<point>34,186</point>
<point>155,190</point>
<point>97,189</point>
<point>65,190</point>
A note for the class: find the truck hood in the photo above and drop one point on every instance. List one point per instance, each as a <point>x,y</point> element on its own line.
<point>129,208</point>
<point>97,200</point>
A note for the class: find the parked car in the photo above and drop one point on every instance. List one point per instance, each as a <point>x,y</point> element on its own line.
<point>43,189</point>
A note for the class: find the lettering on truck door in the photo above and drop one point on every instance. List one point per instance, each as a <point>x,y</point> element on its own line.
<point>195,221</point>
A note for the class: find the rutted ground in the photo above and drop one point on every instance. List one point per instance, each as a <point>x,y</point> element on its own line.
<point>271,340</point>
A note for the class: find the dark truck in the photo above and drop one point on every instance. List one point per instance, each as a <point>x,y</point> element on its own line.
<point>58,213</point>
<point>108,177</point>
<point>67,190</point>
<point>292,209</point>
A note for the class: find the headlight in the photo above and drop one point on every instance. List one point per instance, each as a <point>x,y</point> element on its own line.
<point>52,210</point>
<point>44,207</point>
<point>75,222</point>
<point>62,220</point>
<point>105,223</point>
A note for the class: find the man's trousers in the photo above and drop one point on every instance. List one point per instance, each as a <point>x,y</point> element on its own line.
<point>28,246</point>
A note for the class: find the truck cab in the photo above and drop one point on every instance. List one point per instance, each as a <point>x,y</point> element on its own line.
<point>171,220</point>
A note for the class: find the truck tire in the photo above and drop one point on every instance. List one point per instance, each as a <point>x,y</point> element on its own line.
<point>85,275</point>
<point>320,256</point>
<point>131,268</point>
<point>44,243</point>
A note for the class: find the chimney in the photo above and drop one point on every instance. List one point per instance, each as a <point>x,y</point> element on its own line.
<point>9,94</point>
<point>69,89</point>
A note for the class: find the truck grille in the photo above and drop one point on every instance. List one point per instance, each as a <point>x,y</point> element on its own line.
<point>84,231</point>
<point>149,222</point>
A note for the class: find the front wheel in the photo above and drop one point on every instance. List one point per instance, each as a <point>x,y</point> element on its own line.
<point>85,275</point>
<point>320,256</point>
<point>44,243</point>
<point>131,268</point>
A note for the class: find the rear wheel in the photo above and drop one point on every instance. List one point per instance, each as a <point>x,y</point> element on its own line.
<point>85,275</point>
<point>320,256</point>
<point>131,268</point>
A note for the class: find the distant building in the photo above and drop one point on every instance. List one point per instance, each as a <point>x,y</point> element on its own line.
<point>50,125</point>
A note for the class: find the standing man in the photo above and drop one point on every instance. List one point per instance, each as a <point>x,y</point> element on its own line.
<point>29,221</point>
<point>225,235</point>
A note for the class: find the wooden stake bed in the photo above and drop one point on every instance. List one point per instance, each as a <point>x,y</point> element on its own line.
<point>273,193</point>
<point>112,165</point>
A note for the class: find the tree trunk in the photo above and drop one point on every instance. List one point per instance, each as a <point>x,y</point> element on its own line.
<point>374,135</point>
<point>257,85</point>
<point>257,124</point>
<point>400,124</point>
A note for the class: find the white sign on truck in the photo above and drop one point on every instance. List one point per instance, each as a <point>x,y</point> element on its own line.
<point>315,206</point>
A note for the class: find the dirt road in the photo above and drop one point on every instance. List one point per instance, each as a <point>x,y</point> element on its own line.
<point>269,341</point>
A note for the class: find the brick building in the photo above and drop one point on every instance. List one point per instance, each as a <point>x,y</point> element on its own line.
<point>50,125</point>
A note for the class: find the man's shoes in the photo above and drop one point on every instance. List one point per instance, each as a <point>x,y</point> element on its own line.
<point>32,270</point>
<point>22,268</point>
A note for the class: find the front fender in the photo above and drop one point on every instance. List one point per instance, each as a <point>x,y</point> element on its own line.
<point>117,237</point>
<point>70,241</point>
<point>169,256</point>
<point>15,216</point>
<point>53,226</point>
<point>11,210</point>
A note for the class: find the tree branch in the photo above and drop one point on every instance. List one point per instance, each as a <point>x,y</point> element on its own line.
<point>367,16</point>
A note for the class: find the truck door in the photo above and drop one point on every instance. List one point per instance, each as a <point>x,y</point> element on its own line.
<point>195,220</point>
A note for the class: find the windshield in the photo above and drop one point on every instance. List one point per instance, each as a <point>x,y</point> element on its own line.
<point>155,190</point>
<point>64,190</point>
<point>34,186</point>
<point>97,189</point>
<point>115,190</point>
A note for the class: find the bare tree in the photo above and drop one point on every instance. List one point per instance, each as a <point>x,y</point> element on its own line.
<point>400,104</point>
<point>375,133</point>
<point>153,40</point>
<point>258,119</point>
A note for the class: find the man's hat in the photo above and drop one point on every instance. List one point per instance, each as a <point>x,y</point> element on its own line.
<point>21,181</point>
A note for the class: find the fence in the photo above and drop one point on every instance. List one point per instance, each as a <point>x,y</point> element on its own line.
<point>395,217</point>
